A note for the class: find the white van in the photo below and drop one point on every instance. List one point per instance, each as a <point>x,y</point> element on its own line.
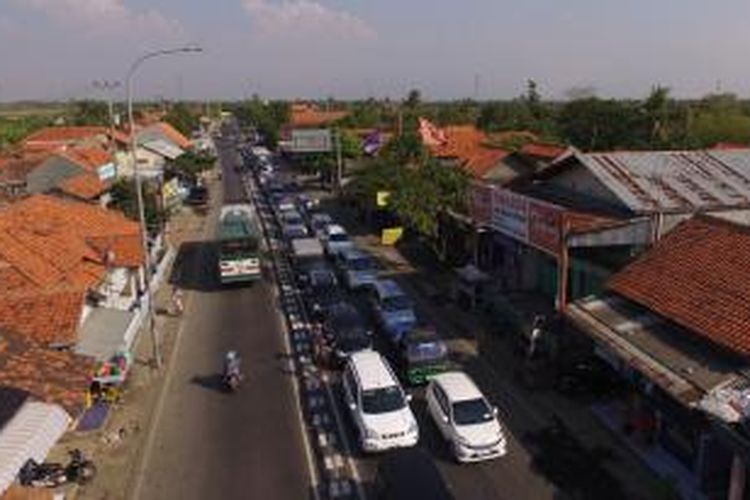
<point>379,407</point>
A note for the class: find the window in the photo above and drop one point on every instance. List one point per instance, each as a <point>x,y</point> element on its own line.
<point>441,398</point>
<point>396,303</point>
<point>382,400</point>
<point>472,411</point>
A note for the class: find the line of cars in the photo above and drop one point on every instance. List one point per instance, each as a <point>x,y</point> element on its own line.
<point>335,276</point>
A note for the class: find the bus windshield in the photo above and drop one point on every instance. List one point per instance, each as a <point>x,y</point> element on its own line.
<point>239,249</point>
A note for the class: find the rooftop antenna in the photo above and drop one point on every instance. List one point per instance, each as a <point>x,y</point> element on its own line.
<point>476,86</point>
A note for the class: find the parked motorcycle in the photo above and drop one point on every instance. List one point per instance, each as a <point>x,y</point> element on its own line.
<point>52,474</point>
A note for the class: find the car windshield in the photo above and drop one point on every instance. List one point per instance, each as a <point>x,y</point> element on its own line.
<point>396,303</point>
<point>472,411</point>
<point>339,237</point>
<point>361,264</point>
<point>383,400</point>
<point>294,220</point>
<point>423,352</point>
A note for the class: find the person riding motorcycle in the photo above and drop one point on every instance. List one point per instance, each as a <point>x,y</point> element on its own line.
<point>232,365</point>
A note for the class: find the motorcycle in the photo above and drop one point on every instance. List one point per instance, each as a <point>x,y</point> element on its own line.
<point>232,380</point>
<point>52,474</point>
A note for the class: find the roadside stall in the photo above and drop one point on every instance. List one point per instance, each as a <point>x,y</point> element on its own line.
<point>109,378</point>
<point>470,286</point>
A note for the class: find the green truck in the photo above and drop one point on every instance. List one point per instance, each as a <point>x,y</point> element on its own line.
<point>238,237</point>
<point>422,354</point>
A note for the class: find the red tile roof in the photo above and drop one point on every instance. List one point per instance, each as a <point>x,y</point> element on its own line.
<point>43,317</point>
<point>174,135</point>
<point>50,241</point>
<point>307,115</point>
<point>91,158</point>
<point>464,143</point>
<point>58,377</point>
<point>84,186</point>
<point>697,276</point>
<point>53,137</point>
<point>544,151</point>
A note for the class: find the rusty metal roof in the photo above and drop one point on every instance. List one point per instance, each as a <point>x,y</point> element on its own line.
<point>648,181</point>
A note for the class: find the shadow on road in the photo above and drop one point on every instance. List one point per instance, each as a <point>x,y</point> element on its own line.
<point>195,267</point>
<point>214,382</point>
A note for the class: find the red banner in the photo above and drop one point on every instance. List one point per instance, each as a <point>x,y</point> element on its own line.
<point>545,226</point>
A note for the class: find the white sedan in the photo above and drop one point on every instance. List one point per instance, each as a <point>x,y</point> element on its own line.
<point>465,418</point>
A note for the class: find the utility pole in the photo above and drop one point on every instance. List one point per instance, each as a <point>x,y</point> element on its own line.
<point>139,190</point>
<point>339,161</point>
<point>108,88</point>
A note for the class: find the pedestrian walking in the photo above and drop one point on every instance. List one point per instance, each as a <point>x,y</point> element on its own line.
<point>177,304</point>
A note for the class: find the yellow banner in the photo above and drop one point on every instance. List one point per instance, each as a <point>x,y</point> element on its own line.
<point>391,235</point>
<point>381,198</point>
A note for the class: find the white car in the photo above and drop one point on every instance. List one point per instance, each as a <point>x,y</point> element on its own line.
<point>335,239</point>
<point>379,407</point>
<point>465,418</point>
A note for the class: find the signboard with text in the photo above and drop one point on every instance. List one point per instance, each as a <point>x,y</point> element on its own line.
<point>510,214</point>
<point>545,221</point>
<point>311,141</point>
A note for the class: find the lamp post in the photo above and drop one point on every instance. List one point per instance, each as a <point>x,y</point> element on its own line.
<point>139,185</point>
<point>108,87</point>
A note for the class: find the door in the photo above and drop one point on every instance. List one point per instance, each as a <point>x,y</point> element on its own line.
<point>440,410</point>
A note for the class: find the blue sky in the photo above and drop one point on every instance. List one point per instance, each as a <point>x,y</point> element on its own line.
<point>54,49</point>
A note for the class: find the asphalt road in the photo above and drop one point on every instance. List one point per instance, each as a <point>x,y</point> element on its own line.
<point>509,477</point>
<point>210,444</point>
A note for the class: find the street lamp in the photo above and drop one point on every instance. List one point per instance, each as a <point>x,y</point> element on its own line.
<point>139,185</point>
<point>108,87</point>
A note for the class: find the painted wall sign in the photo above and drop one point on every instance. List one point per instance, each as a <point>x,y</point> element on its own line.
<point>510,214</point>
<point>545,222</point>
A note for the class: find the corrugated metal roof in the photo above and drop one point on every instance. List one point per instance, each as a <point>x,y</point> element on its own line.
<point>163,148</point>
<point>674,180</point>
<point>31,433</point>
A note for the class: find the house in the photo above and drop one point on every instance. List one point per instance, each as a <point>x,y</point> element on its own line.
<point>634,199</point>
<point>308,129</point>
<point>81,261</point>
<point>53,138</point>
<point>305,115</point>
<point>85,173</point>
<point>464,146</point>
<point>14,170</point>
<point>156,145</point>
<point>29,428</point>
<point>675,323</point>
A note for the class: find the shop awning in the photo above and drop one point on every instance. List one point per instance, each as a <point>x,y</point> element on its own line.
<point>31,433</point>
<point>105,332</point>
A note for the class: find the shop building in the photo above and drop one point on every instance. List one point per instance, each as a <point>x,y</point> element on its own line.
<point>675,324</point>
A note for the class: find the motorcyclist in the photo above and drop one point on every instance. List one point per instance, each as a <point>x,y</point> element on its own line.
<point>231,364</point>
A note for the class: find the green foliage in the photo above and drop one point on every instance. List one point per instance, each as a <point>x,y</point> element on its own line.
<point>190,164</point>
<point>13,130</point>
<point>599,124</point>
<point>89,112</point>
<point>181,117</point>
<point>266,118</point>
<point>124,198</point>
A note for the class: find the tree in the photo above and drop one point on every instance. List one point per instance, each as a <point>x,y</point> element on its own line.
<point>181,117</point>
<point>413,99</point>
<point>191,164</point>
<point>597,124</point>
<point>89,112</point>
<point>266,118</point>
<point>124,198</point>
